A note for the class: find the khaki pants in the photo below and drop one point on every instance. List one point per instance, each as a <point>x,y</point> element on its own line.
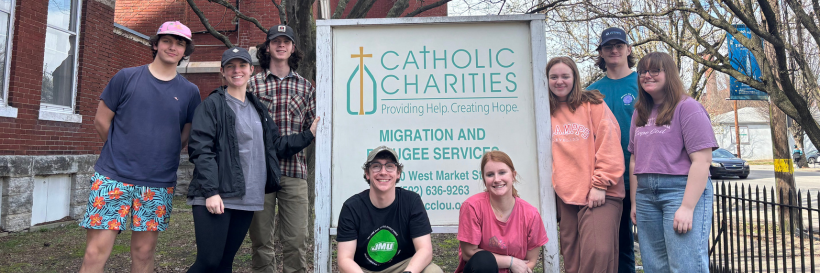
<point>293,225</point>
<point>399,268</point>
<point>589,237</point>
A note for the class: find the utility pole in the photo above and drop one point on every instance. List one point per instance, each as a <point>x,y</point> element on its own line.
<point>737,130</point>
<point>783,164</point>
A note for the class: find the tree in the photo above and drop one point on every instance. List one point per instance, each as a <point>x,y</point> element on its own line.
<point>766,23</point>
<point>299,16</point>
<point>694,32</point>
<point>769,43</point>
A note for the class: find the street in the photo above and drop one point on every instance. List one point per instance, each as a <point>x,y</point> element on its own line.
<point>806,180</point>
<point>763,175</point>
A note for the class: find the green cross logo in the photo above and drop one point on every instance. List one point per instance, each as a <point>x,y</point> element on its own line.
<point>360,70</point>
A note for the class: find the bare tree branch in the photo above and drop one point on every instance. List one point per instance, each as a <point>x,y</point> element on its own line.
<point>755,47</point>
<point>282,14</point>
<point>398,8</point>
<point>749,22</point>
<point>646,41</point>
<point>340,9</point>
<point>239,14</point>
<point>805,20</point>
<point>722,67</point>
<point>360,9</point>
<point>208,26</point>
<point>545,7</point>
<point>427,7</point>
<point>816,7</point>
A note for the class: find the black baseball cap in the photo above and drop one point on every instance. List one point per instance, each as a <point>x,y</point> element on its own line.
<point>280,30</point>
<point>611,34</point>
<point>235,53</point>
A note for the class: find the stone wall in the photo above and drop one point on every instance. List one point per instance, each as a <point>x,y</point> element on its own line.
<point>17,176</point>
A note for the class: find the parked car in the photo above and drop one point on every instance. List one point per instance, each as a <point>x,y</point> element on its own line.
<point>811,157</point>
<point>724,163</point>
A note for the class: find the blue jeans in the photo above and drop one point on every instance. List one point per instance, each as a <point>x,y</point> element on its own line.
<point>662,249</point>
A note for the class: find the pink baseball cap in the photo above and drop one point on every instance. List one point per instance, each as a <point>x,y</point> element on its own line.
<point>175,28</point>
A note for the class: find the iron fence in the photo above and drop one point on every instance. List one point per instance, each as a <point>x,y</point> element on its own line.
<point>754,230</point>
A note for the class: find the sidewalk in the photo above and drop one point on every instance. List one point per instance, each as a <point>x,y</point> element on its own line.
<point>811,168</point>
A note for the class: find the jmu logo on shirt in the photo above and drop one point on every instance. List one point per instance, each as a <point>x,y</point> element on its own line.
<point>383,246</point>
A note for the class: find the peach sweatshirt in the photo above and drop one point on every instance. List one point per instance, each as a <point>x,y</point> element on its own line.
<point>586,152</point>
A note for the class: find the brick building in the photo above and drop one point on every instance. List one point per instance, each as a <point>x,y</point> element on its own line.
<point>57,56</point>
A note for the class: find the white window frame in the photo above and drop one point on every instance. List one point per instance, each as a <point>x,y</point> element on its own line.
<point>741,128</point>
<point>55,112</point>
<point>5,109</point>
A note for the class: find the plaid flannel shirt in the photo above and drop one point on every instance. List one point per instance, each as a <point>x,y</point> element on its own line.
<point>291,102</point>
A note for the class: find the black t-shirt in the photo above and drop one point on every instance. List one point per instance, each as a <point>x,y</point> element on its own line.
<point>384,236</point>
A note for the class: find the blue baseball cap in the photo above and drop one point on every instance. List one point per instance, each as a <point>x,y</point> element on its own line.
<point>611,34</point>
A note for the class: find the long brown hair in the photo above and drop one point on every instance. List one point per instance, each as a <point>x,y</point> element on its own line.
<point>576,96</point>
<point>263,55</point>
<point>672,89</point>
<point>502,157</point>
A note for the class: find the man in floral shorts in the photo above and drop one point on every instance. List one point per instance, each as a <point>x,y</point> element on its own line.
<point>144,117</point>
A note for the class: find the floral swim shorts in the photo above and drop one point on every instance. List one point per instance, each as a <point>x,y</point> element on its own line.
<point>111,203</point>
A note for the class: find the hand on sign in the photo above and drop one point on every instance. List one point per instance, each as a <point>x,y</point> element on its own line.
<point>314,125</point>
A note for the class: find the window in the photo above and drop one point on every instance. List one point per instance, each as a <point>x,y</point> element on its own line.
<point>60,62</point>
<point>6,17</point>
<point>50,198</point>
<point>744,134</point>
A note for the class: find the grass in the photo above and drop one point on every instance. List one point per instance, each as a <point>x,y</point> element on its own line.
<point>761,162</point>
<point>62,249</point>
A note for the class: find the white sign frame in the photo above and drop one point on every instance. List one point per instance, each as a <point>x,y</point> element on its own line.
<point>324,108</point>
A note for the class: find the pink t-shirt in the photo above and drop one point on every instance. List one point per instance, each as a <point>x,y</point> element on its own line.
<point>665,149</point>
<point>477,225</point>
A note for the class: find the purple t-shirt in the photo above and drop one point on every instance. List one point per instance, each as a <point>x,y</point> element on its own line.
<point>665,149</point>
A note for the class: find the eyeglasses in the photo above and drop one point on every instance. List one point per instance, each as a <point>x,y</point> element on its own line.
<point>609,47</point>
<point>376,167</point>
<point>652,72</point>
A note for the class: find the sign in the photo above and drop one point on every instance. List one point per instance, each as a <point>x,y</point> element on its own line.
<point>441,91</point>
<point>744,61</point>
<point>440,103</point>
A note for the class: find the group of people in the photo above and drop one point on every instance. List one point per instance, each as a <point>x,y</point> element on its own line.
<point>245,140</point>
<point>632,148</point>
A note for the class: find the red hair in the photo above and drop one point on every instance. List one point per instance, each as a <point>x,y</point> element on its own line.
<point>501,157</point>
